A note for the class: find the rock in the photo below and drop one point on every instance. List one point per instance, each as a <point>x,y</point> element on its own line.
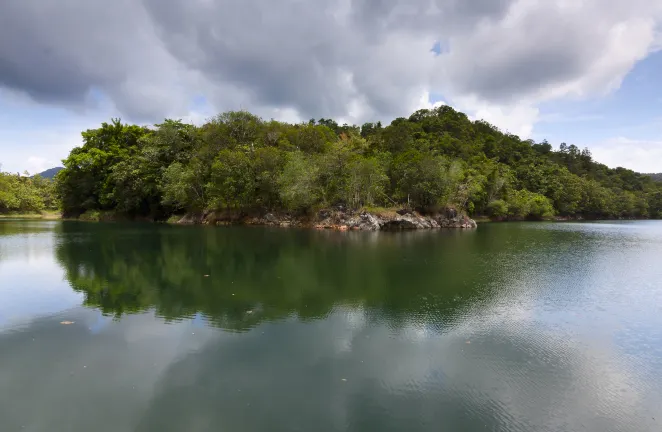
<point>191,219</point>
<point>352,223</point>
<point>343,219</point>
<point>401,223</point>
<point>370,222</point>
<point>451,212</point>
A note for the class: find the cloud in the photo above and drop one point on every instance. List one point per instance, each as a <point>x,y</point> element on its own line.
<point>358,60</point>
<point>34,137</point>
<point>639,155</point>
<point>38,164</point>
<point>550,49</point>
<point>559,117</point>
<point>60,53</point>
<point>516,119</point>
<point>40,149</point>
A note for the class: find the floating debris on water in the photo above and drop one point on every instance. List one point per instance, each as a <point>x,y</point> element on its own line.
<point>66,322</point>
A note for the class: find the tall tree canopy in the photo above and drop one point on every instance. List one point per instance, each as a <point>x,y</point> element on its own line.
<point>430,160</point>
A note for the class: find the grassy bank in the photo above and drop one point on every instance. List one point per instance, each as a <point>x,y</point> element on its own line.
<point>48,215</point>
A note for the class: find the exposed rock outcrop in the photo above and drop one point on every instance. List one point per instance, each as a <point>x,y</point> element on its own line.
<point>342,220</point>
<point>400,220</point>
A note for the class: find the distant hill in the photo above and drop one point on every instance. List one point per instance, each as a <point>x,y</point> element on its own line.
<point>656,177</point>
<point>50,173</point>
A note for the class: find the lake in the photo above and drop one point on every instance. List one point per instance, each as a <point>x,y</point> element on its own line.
<point>510,327</point>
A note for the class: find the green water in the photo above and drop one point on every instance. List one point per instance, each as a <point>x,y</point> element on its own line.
<point>512,327</point>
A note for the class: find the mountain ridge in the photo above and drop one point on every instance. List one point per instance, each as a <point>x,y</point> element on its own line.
<point>49,173</point>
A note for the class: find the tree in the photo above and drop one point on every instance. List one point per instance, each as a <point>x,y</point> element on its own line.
<point>424,181</point>
<point>299,186</point>
<point>429,160</point>
<point>232,182</point>
<point>268,164</point>
<point>310,138</point>
<point>85,182</point>
<point>184,187</point>
<point>366,182</point>
<point>497,209</point>
<point>523,204</point>
<point>24,194</point>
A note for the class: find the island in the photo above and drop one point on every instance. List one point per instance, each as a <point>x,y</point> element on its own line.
<point>434,169</point>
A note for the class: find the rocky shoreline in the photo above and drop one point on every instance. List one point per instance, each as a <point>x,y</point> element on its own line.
<point>341,220</point>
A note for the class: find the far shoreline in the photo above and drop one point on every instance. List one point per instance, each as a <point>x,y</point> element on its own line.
<point>361,220</point>
<point>34,216</point>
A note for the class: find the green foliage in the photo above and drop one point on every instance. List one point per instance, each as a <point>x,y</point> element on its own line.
<point>310,138</point>
<point>24,194</point>
<point>232,180</point>
<point>425,181</point>
<point>183,187</point>
<point>268,163</point>
<point>87,181</point>
<point>299,182</point>
<point>430,160</point>
<point>497,209</point>
<point>91,216</point>
<point>523,204</point>
<point>366,182</point>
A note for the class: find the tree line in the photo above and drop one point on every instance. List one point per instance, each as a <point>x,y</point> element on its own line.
<point>431,160</point>
<point>25,194</point>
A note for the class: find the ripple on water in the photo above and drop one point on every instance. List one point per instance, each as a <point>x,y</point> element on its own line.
<point>517,327</point>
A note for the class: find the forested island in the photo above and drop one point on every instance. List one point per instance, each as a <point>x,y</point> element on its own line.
<point>238,165</point>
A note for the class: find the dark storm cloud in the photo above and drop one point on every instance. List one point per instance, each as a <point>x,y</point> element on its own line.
<point>153,57</point>
<point>424,15</point>
<point>529,66</point>
<point>289,53</point>
<point>58,52</point>
<point>32,58</point>
<point>302,54</point>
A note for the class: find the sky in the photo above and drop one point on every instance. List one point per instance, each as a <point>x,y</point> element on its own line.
<point>584,72</point>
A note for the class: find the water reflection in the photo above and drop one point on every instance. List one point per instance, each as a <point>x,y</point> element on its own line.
<point>237,278</point>
<point>31,281</point>
<point>514,327</point>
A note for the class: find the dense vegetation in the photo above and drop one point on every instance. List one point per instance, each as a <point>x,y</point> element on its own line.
<point>434,158</point>
<point>24,194</point>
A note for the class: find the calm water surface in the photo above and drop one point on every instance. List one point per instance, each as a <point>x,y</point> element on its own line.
<point>512,327</point>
